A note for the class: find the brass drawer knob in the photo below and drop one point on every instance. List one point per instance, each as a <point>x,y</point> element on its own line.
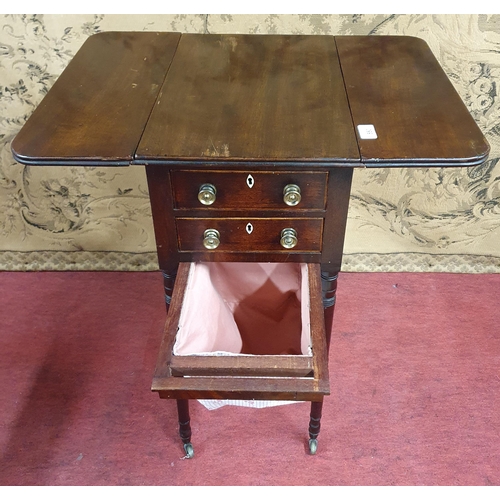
<point>211,239</point>
<point>288,238</point>
<point>291,195</point>
<point>207,194</point>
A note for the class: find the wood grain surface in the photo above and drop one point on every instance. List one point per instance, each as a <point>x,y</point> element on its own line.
<point>265,236</point>
<point>97,110</point>
<point>234,193</point>
<point>221,100</point>
<point>247,97</point>
<point>396,84</point>
<point>258,377</point>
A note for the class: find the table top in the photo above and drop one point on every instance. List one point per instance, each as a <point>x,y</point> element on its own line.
<point>225,100</point>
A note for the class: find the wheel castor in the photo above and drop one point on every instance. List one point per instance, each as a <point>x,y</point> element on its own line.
<point>313,446</point>
<point>188,448</point>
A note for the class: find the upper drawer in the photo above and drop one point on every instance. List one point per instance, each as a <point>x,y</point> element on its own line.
<point>249,190</point>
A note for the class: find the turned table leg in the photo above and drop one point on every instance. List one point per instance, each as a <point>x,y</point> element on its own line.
<point>182,404</point>
<point>314,425</point>
<point>185,426</point>
<point>329,290</point>
<point>168,284</point>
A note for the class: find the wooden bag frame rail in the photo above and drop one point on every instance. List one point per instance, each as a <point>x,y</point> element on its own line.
<point>269,377</point>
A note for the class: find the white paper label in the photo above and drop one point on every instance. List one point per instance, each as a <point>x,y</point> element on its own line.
<point>367,132</point>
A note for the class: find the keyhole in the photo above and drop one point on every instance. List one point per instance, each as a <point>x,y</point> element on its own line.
<point>250,181</point>
<point>249,228</point>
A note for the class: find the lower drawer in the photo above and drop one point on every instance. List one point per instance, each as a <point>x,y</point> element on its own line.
<point>244,331</point>
<point>249,235</point>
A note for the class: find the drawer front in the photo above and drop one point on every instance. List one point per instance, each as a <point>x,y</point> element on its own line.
<point>249,234</point>
<point>249,190</point>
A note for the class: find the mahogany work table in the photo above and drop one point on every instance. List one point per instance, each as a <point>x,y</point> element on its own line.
<point>249,144</point>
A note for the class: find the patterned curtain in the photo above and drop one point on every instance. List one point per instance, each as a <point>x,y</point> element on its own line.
<point>99,218</point>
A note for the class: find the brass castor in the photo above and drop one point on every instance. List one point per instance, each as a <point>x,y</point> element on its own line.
<point>188,448</point>
<point>313,446</point>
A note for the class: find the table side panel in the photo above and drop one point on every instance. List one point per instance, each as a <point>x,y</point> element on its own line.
<point>337,207</point>
<point>160,195</point>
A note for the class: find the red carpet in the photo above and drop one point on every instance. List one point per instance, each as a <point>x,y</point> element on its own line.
<point>415,375</point>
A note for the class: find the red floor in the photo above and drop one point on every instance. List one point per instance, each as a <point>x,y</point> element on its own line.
<point>414,368</point>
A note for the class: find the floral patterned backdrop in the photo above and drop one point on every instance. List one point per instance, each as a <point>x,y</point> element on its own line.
<point>97,218</point>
